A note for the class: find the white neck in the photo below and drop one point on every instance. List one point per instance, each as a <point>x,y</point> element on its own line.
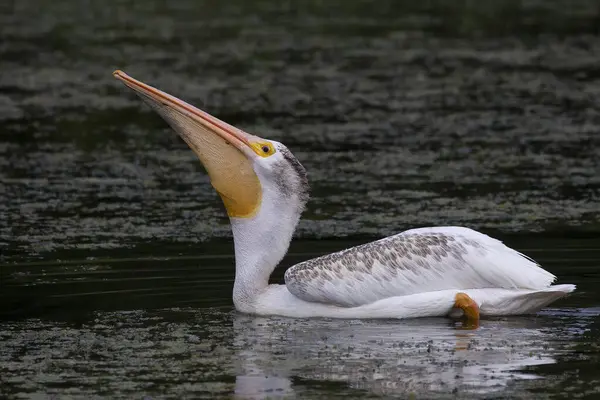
<point>260,244</point>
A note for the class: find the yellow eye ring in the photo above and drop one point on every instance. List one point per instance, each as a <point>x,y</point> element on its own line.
<point>263,149</point>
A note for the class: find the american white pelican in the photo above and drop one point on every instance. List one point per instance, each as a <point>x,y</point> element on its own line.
<point>417,273</point>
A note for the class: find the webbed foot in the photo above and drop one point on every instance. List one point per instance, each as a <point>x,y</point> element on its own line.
<point>470,310</point>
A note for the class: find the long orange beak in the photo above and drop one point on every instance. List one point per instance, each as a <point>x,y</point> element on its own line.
<point>225,151</point>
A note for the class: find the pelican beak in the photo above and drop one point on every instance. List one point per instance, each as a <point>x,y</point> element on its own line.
<point>225,151</point>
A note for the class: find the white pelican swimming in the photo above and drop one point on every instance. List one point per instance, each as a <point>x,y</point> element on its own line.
<point>417,273</point>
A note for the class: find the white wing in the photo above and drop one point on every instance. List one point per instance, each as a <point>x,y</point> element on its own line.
<point>414,261</point>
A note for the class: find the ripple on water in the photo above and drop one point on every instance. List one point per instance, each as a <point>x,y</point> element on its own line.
<point>409,117</point>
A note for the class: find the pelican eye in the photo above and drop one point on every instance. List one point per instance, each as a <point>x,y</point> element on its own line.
<point>263,149</point>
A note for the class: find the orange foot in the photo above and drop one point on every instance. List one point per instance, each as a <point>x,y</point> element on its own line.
<point>469,308</point>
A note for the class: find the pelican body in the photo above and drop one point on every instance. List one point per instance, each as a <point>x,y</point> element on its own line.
<point>425,272</point>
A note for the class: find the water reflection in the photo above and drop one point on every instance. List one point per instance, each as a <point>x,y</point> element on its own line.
<point>179,353</point>
<point>391,358</point>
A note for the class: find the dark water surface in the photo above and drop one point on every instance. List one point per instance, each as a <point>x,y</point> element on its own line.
<point>116,262</point>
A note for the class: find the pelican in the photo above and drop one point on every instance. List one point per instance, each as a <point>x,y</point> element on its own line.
<point>424,272</point>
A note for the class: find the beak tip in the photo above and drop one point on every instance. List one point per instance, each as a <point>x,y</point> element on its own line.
<point>119,74</point>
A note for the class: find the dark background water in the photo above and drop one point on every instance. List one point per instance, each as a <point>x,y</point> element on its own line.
<point>116,260</point>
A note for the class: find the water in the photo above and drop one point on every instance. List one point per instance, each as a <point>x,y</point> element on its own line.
<point>116,261</point>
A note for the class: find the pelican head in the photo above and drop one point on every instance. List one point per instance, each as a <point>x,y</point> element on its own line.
<point>263,186</point>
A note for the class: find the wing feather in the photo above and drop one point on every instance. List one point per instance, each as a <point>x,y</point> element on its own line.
<point>414,261</point>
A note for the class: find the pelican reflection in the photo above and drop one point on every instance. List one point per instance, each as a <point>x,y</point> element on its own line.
<point>282,357</point>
